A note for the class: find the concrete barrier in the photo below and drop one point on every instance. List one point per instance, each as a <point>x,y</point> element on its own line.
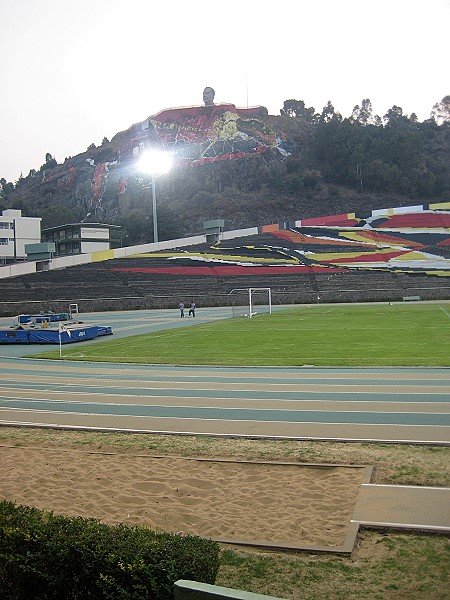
<point>193,590</point>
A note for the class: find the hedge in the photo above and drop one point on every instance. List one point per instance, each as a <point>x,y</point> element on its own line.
<point>43,555</point>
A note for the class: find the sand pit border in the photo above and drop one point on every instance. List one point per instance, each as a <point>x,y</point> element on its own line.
<point>266,504</point>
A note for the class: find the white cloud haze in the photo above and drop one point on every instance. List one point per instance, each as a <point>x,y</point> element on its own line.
<point>75,72</point>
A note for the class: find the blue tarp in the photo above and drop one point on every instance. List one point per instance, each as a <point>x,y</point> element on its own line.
<point>14,336</point>
<point>51,336</point>
<point>104,330</point>
<point>40,318</point>
<point>48,336</point>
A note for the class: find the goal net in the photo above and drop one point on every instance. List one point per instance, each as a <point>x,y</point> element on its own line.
<point>248,302</point>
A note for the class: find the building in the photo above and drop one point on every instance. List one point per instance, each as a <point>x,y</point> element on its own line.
<point>82,238</point>
<point>213,230</point>
<point>15,233</point>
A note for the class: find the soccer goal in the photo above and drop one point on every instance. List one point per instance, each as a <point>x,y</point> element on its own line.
<point>248,302</point>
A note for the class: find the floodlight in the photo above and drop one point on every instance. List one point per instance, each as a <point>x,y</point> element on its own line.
<point>155,162</point>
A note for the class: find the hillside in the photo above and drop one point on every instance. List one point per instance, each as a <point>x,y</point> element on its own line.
<point>244,166</point>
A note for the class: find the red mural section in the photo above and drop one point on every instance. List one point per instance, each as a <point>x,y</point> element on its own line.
<point>202,134</point>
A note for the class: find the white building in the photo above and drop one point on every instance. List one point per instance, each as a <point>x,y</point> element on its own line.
<point>15,233</point>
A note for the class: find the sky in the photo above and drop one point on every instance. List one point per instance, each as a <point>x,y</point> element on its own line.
<point>74,72</point>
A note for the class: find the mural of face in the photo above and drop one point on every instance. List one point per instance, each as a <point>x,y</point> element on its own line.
<point>208,96</point>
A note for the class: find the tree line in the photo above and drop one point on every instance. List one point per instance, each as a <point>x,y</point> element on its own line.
<point>395,153</point>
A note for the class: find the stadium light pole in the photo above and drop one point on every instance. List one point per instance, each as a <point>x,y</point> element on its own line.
<point>155,163</point>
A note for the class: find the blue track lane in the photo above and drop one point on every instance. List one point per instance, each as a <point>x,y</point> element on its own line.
<point>199,392</point>
<point>230,414</point>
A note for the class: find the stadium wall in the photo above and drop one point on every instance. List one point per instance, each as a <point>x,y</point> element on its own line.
<point>82,259</point>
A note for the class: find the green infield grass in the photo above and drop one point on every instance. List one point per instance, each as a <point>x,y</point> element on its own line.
<point>321,335</point>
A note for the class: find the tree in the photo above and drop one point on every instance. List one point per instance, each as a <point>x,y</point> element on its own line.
<point>297,109</point>
<point>440,112</point>
<point>6,188</point>
<point>55,215</point>
<point>402,147</point>
<point>395,116</point>
<point>364,114</point>
<point>328,114</point>
<point>311,178</point>
<point>425,183</point>
<point>50,162</point>
<point>136,226</point>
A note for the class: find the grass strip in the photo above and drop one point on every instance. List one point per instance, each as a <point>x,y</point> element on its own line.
<point>334,335</point>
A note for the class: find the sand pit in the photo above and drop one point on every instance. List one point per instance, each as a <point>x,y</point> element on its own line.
<point>275,504</point>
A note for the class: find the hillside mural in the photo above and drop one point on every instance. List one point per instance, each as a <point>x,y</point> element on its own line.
<point>197,135</point>
<point>412,239</point>
<point>194,135</point>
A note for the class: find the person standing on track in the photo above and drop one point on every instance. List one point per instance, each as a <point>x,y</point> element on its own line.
<point>192,310</point>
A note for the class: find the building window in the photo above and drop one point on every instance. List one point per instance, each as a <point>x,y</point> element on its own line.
<point>8,225</point>
<point>4,241</point>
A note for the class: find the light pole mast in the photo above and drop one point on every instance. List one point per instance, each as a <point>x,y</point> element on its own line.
<point>155,163</point>
<point>155,216</point>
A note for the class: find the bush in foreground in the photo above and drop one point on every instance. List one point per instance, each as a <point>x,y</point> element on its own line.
<point>43,555</point>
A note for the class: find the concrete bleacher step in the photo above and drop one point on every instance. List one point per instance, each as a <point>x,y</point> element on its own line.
<point>127,277</point>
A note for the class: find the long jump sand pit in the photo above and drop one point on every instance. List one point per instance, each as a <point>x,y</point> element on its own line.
<point>281,505</point>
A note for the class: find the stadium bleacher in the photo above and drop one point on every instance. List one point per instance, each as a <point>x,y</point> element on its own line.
<point>316,262</point>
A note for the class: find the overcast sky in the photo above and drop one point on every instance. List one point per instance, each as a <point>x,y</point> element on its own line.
<point>74,72</point>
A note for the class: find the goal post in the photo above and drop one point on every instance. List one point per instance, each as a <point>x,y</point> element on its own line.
<point>248,302</point>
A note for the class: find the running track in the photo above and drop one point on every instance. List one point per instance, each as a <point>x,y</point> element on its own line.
<point>410,405</point>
